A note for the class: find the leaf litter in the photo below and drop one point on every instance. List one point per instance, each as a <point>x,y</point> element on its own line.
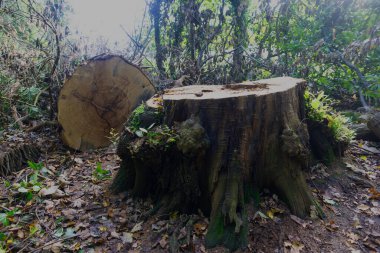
<point>73,211</point>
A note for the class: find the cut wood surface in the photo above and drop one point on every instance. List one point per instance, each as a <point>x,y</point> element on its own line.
<point>99,97</point>
<point>231,140</point>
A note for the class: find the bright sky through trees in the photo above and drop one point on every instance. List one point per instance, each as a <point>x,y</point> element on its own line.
<point>100,18</point>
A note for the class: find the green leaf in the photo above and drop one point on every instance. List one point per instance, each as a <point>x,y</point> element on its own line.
<point>35,166</point>
<point>29,196</point>
<point>4,219</point>
<point>59,232</point>
<point>3,237</point>
<point>7,184</point>
<point>33,229</point>
<point>36,188</point>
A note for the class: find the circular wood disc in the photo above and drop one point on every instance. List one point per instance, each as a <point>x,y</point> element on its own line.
<point>99,97</point>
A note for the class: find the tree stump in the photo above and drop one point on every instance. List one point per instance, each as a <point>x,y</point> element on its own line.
<point>98,98</point>
<point>211,146</point>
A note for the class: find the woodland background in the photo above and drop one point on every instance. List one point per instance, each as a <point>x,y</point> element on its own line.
<point>334,45</point>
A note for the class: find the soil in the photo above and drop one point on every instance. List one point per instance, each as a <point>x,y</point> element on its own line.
<point>77,213</point>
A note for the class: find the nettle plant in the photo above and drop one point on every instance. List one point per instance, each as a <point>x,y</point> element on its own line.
<point>319,108</point>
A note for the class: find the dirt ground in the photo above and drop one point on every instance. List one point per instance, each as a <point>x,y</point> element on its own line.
<point>73,211</point>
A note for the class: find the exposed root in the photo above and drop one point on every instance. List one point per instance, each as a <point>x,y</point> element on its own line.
<point>13,159</point>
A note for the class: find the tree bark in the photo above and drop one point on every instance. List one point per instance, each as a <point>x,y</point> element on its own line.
<point>156,13</point>
<point>240,39</point>
<point>229,140</point>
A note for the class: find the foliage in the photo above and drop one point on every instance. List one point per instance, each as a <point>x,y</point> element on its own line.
<point>35,56</point>
<point>100,173</point>
<point>161,136</point>
<point>319,108</point>
<point>334,45</point>
<point>32,184</point>
<point>134,120</point>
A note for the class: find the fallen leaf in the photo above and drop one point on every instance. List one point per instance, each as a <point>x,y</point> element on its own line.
<point>69,213</point>
<point>78,160</point>
<point>78,203</point>
<point>331,226</point>
<point>352,238</point>
<point>48,191</point>
<point>103,228</point>
<point>375,211</point>
<point>293,247</point>
<point>362,207</point>
<point>69,232</point>
<point>299,221</point>
<point>115,234</point>
<point>20,234</point>
<point>127,238</point>
<point>374,193</point>
<point>328,201</point>
<point>137,227</point>
<point>199,228</point>
<point>163,242</point>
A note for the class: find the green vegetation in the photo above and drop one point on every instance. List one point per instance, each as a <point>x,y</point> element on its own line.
<point>333,45</point>
<point>319,108</point>
<point>30,186</point>
<point>100,173</point>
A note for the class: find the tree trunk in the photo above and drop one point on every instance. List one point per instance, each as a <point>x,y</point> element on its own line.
<point>156,14</point>
<point>221,143</point>
<point>240,39</point>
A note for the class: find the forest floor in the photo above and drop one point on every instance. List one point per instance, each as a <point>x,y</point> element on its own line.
<point>67,207</point>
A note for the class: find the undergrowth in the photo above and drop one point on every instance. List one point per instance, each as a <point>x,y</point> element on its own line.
<point>319,108</point>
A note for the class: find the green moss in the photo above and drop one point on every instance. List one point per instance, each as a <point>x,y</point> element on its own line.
<point>224,234</point>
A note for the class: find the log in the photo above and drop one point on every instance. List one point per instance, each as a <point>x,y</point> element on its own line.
<point>364,133</point>
<point>374,124</point>
<point>215,145</point>
<point>98,98</point>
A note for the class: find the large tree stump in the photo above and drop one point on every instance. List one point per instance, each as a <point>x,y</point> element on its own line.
<point>221,142</point>
<point>99,97</point>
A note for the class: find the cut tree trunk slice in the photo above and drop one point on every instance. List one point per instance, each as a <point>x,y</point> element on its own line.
<point>231,140</point>
<point>99,97</point>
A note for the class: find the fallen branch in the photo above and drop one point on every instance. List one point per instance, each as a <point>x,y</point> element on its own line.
<point>41,125</point>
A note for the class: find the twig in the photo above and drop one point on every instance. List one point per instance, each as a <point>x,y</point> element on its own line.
<point>53,242</point>
<point>363,148</point>
<point>17,118</point>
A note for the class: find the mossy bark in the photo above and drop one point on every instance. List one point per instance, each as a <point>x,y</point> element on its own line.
<point>228,138</point>
<point>325,148</point>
